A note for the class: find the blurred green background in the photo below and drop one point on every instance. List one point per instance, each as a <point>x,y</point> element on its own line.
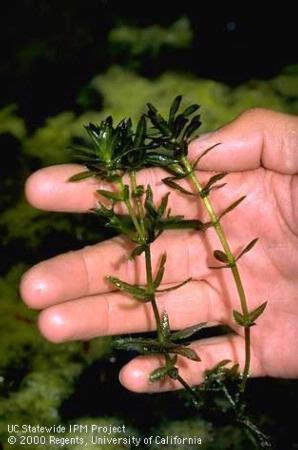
<point>63,64</point>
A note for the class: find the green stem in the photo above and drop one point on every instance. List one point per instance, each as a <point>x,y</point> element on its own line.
<point>187,387</point>
<point>139,205</point>
<point>231,261</point>
<point>132,214</point>
<point>194,396</point>
<point>141,230</point>
<point>134,220</point>
<point>150,287</point>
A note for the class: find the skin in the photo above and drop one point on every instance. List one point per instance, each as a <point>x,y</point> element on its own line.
<point>260,151</point>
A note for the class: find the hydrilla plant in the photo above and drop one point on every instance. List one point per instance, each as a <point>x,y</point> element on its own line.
<point>117,154</point>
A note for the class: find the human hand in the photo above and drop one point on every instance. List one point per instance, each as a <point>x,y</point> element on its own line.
<point>259,150</point>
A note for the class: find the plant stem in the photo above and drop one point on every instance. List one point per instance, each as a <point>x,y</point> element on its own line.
<point>139,205</point>
<point>141,230</point>
<point>231,260</point>
<point>150,287</point>
<point>140,227</point>
<point>132,214</point>
<point>187,387</point>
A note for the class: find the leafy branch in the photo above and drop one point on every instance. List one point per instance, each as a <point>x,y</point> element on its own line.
<point>221,380</point>
<point>117,151</point>
<point>174,133</point>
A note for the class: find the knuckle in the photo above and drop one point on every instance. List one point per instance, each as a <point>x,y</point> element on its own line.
<point>254,113</point>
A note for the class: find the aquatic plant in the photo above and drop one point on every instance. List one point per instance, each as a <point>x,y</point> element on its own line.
<point>117,154</point>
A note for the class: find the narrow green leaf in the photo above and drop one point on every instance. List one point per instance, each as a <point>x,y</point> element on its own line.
<point>179,124</point>
<point>190,110</point>
<point>165,324</point>
<point>123,224</point>
<point>137,251</point>
<point>87,159</point>
<point>232,206</point>
<point>234,371</point>
<point>192,127</point>
<point>221,364</point>
<point>151,108</point>
<point>81,150</point>
<point>163,204</point>
<point>198,225</point>
<point>182,224</point>
<point>187,332</point>
<point>161,270</point>
<point>215,178</point>
<point>160,160</point>
<point>102,211</point>
<point>187,353</point>
<point>158,374</point>
<point>174,108</point>
<point>220,256</point>
<point>114,196</point>
<point>140,132</point>
<point>212,181</point>
<point>239,318</point>
<point>144,346</point>
<point>177,169</point>
<point>228,266</point>
<point>84,157</point>
<point>216,370</point>
<point>128,344</point>
<point>134,290</point>
<point>157,120</point>
<point>247,248</point>
<point>81,176</point>
<point>196,162</point>
<point>175,287</point>
<point>257,312</point>
<point>148,204</point>
<point>217,186</point>
<point>178,176</point>
<point>169,181</point>
<point>94,131</point>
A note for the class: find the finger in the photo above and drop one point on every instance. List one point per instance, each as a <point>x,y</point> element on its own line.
<point>135,375</point>
<point>50,190</point>
<point>258,137</point>
<point>83,272</point>
<point>115,313</point>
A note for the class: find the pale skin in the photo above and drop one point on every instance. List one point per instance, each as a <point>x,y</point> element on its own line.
<point>259,149</point>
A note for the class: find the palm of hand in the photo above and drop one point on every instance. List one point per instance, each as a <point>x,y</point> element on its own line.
<point>269,271</point>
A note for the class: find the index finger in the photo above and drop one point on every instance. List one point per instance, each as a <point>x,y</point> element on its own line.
<point>258,137</point>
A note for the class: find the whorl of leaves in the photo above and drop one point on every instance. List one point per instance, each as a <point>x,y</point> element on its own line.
<point>117,149</point>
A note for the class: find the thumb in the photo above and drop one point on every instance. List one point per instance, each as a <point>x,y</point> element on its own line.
<point>258,137</point>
